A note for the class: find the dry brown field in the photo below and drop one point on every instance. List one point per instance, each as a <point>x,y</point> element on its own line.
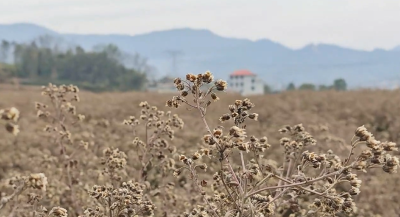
<point>331,117</point>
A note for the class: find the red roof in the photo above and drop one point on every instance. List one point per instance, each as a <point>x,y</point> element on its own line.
<point>242,72</point>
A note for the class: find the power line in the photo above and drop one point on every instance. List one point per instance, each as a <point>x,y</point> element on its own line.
<point>174,55</point>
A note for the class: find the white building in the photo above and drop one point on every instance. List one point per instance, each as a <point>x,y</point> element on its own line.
<point>246,83</point>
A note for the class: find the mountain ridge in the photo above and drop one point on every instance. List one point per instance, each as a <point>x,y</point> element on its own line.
<point>203,50</point>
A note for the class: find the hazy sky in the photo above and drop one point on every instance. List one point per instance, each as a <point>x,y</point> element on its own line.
<point>363,24</point>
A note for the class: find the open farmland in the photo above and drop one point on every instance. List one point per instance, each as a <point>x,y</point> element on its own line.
<point>331,117</point>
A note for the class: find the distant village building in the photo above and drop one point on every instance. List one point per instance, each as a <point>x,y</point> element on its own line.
<point>246,83</point>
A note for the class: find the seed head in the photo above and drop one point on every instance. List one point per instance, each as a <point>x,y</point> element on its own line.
<point>191,77</point>
<point>177,81</point>
<point>12,128</point>
<point>214,97</point>
<point>221,85</point>
<point>208,77</point>
<point>10,114</point>
<point>253,116</point>
<point>58,212</point>
<point>237,132</point>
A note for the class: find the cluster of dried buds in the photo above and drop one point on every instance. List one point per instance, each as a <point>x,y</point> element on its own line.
<point>199,211</point>
<point>54,91</point>
<point>239,112</point>
<point>62,98</point>
<point>34,181</point>
<point>10,115</point>
<point>377,154</point>
<point>159,128</point>
<point>193,84</point>
<point>59,111</point>
<point>235,138</point>
<point>58,212</point>
<point>334,201</point>
<point>299,138</point>
<point>127,200</point>
<point>114,160</point>
<point>159,121</point>
<point>236,193</point>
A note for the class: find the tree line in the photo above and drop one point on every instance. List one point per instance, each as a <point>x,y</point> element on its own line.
<point>338,84</point>
<point>100,69</point>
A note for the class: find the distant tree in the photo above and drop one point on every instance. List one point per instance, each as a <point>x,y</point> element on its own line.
<point>51,42</point>
<point>7,71</point>
<point>79,50</point>
<point>267,89</point>
<point>101,70</point>
<point>307,86</point>
<point>290,87</point>
<point>324,87</point>
<point>340,84</point>
<point>112,51</point>
<point>138,63</point>
<point>4,50</point>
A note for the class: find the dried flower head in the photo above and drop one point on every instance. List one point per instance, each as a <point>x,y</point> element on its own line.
<point>10,114</point>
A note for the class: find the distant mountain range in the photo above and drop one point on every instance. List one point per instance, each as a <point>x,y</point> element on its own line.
<point>203,50</point>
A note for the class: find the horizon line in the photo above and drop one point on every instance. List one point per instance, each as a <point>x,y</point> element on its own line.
<point>200,29</point>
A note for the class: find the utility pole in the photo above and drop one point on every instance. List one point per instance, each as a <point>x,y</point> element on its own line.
<point>174,54</point>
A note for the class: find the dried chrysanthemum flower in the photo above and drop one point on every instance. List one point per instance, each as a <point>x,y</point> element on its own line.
<point>81,117</point>
<point>389,146</point>
<point>363,134</point>
<point>208,139</point>
<point>177,81</point>
<point>184,93</point>
<point>391,164</point>
<point>12,128</point>
<point>217,132</point>
<point>243,146</point>
<point>237,132</point>
<point>214,97</point>
<point>10,114</point>
<point>299,128</point>
<point>225,117</point>
<point>191,77</point>
<point>37,181</point>
<point>114,158</point>
<point>253,116</point>
<point>221,85</point>
<point>144,104</point>
<point>354,191</point>
<point>180,86</point>
<point>196,156</point>
<point>58,212</point>
<point>177,172</point>
<point>208,77</point>
<point>284,141</point>
<point>76,98</point>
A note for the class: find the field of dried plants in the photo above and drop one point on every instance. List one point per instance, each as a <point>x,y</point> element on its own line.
<point>103,162</point>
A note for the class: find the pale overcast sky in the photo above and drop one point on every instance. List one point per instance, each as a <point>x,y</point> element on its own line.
<point>362,24</point>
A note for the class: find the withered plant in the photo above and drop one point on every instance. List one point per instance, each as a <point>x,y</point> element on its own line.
<point>219,163</point>
<point>155,162</point>
<point>306,184</point>
<point>61,115</point>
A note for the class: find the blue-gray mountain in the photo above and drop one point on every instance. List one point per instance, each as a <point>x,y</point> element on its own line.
<point>203,50</point>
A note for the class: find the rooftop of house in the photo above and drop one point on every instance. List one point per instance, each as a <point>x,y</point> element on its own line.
<point>242,72</point>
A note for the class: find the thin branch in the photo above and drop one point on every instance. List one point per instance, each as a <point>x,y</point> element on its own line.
<point>296,184</point>
<point>6,199</point>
